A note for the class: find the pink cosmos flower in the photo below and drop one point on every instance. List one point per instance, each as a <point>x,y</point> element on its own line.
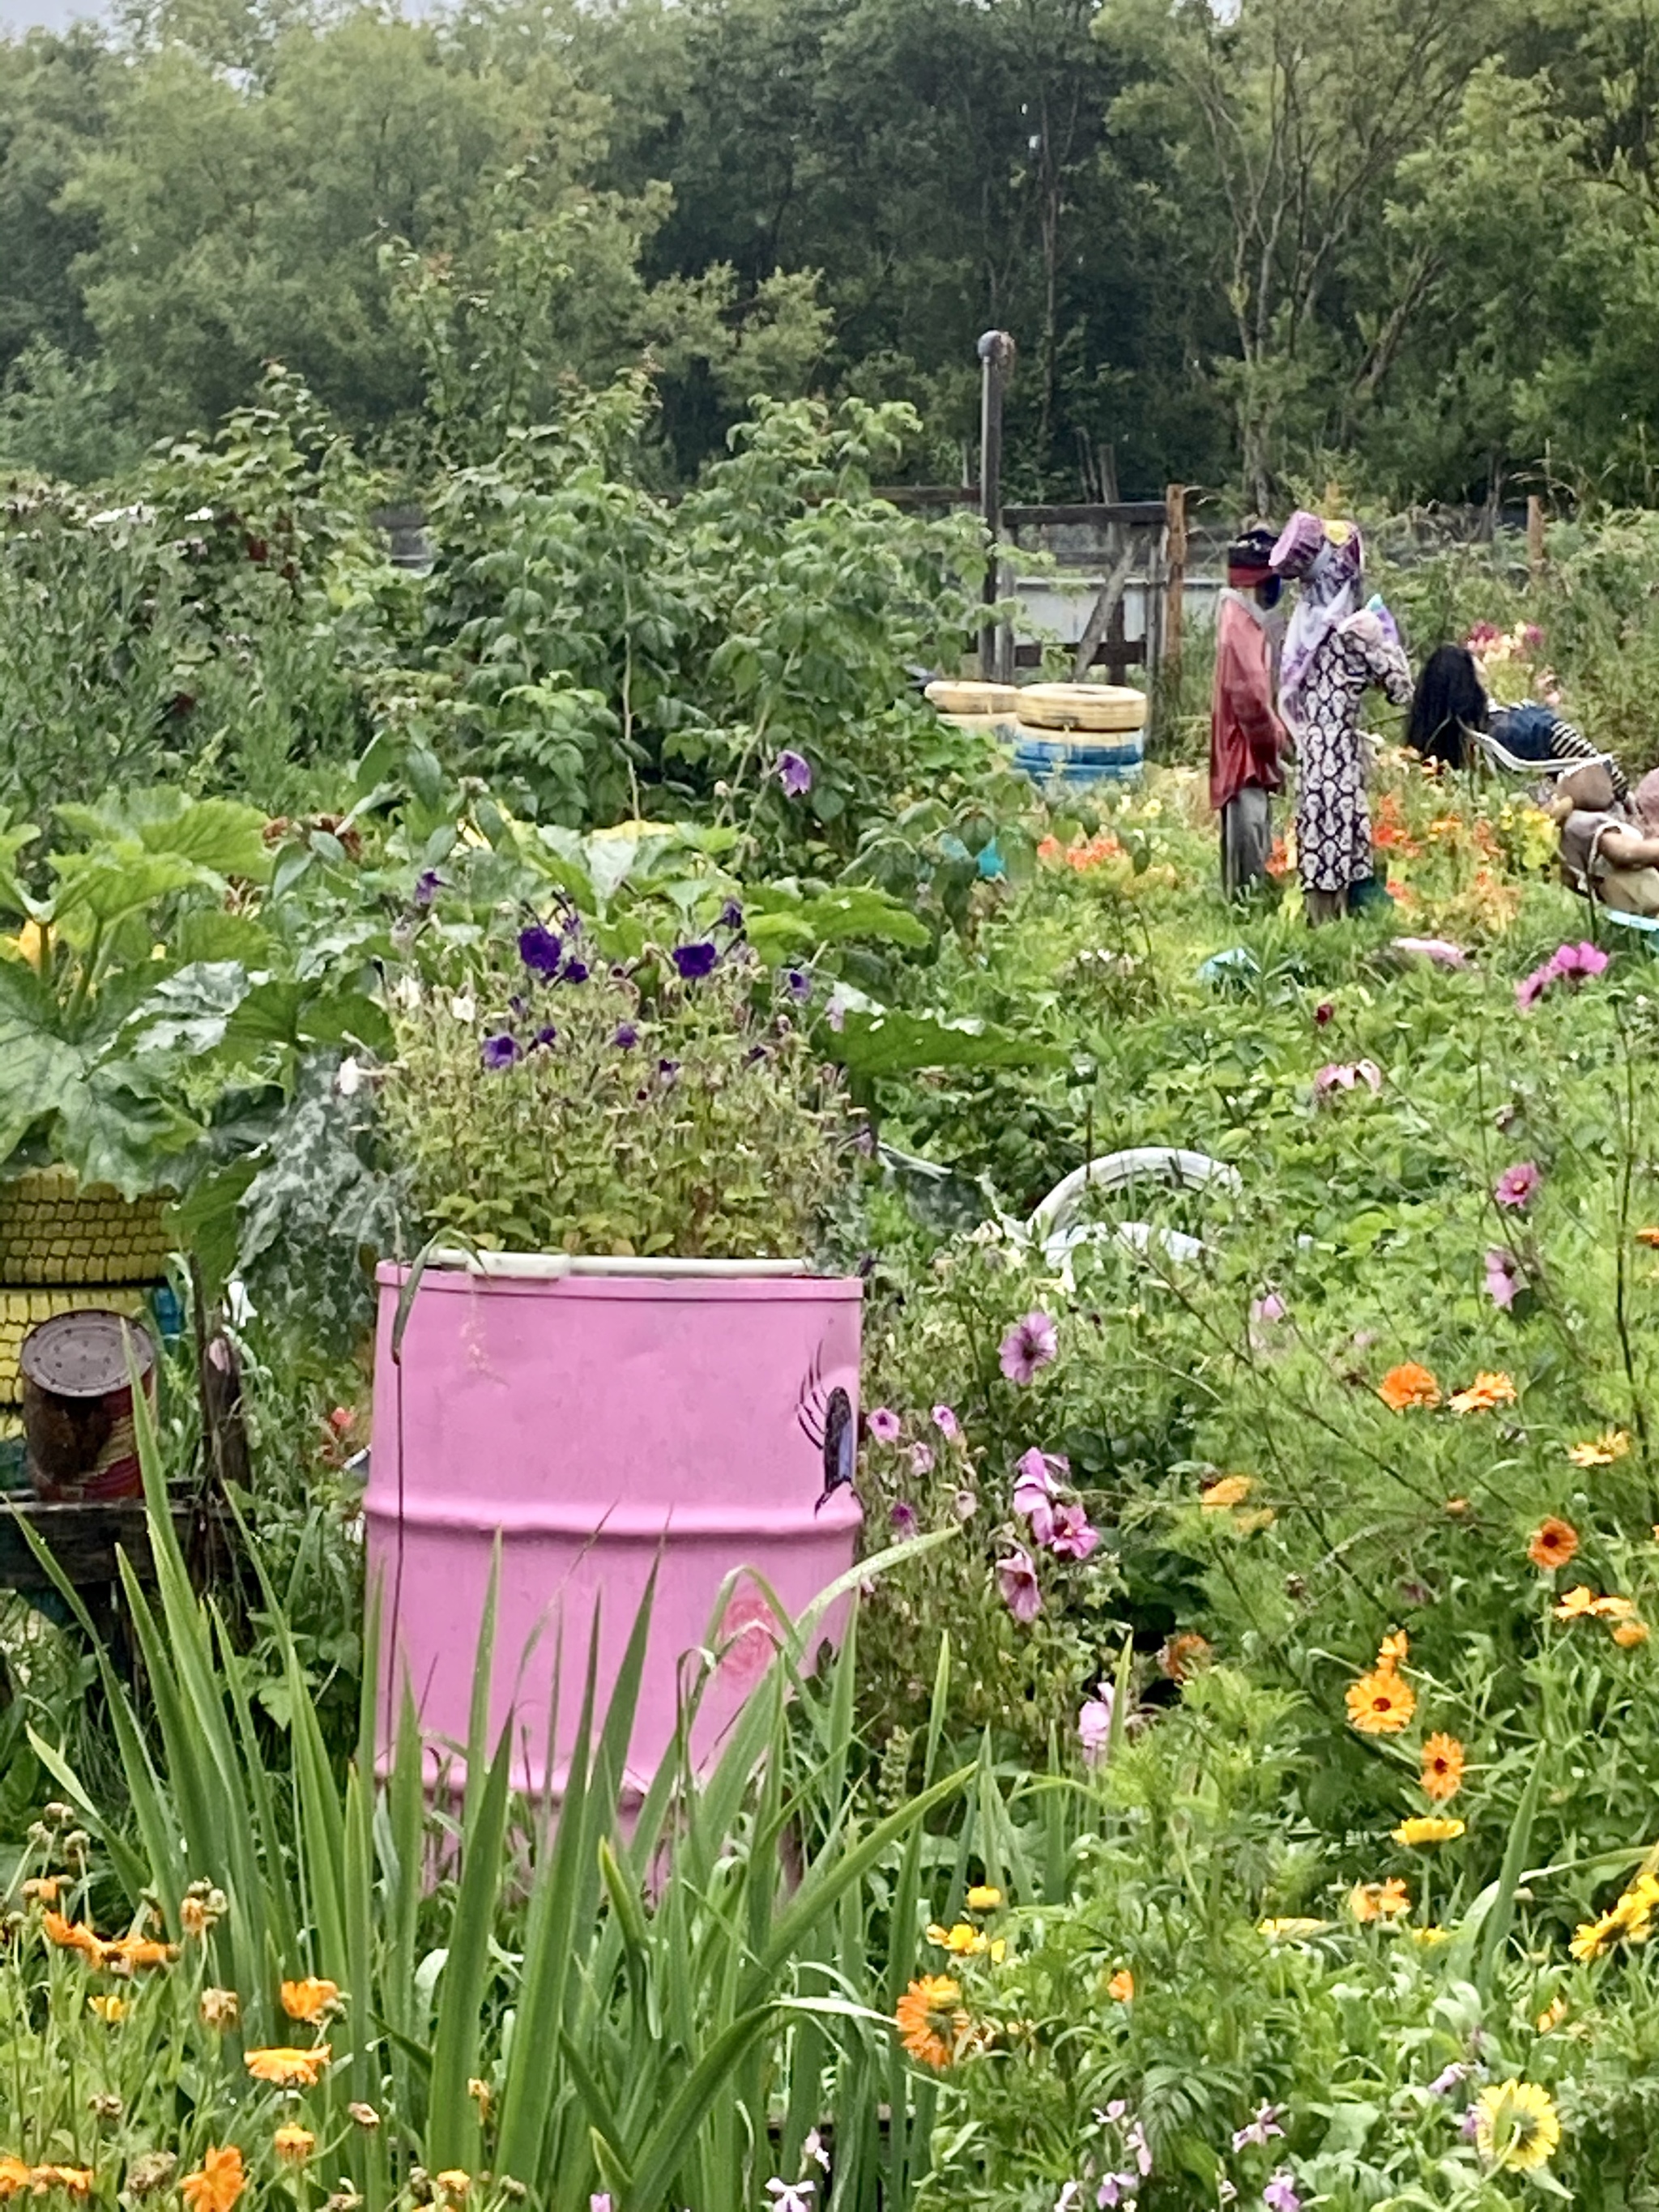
<point>1440,949</point>
<point>1094,1724</point>
<point>1531,988</point>
<point>1016,1579</point>
<point>1517,1185</point>
<point>1347,1075</point>
<point>1030,1345</point>
<point>1272,1307</point>
<point>885,1426</point>
<point>1072,1534</point>
<point>946,1422</point>
<point>1577,963</point>
<point>1503,1279</point>
<point>921,1459</point>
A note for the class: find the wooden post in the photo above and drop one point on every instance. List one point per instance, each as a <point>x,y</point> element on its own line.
<point>1175,577</point>
<point>1534,538</point>
<point>996,355</point>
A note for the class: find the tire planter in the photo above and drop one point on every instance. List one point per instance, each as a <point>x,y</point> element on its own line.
<point>1050,760</point>
<point>954,697</point>
<point>52,1231</point>
<point>1112,708</point>
<point>599,1425</point>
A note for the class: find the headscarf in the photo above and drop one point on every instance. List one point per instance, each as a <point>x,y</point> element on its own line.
<point>1250,559</point>
<point>1327,559</point>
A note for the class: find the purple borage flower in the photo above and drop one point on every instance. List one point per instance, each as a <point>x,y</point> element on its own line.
<point>499,1052</point>
<point>541,951</point>
<point>695,961</point>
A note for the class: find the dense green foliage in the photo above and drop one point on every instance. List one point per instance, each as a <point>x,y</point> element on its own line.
<point>1416,245</point>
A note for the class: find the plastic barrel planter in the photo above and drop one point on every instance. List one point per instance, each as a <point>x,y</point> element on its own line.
<point>1079,733</point>
<point>598,1423</point>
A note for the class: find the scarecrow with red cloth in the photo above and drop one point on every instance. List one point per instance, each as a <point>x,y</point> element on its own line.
<point>1246,735</point>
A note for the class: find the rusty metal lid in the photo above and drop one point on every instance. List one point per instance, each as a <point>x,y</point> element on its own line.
<point>84,1355</point>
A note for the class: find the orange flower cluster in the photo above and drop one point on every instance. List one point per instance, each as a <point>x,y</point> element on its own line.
<point>1581,1603</point>
<point>1379,1900</point>
<point>309,1999</point>
<point>1280,861</point>
<point>122,1952</point>
<point>1083,853</point>
<point>1389,831</point>
<point>287,2068</point>
<point>1485,1394</point>
<point>1383,1702</point>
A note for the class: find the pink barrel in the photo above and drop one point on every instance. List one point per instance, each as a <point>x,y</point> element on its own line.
<point>597,1424</point>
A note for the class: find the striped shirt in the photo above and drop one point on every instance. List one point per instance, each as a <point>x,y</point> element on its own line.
<point>1539,733</point>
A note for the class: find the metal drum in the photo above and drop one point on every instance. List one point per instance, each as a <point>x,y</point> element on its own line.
<point>77,1405</point>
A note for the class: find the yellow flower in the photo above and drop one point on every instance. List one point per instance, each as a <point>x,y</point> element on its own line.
<point>309,1999</point>
<point>998,1949</point>
<point>1429,1936</point>
<point>1578,1604</point>
<point>1613,1608</point>
<point>1630,1632</point>
<point>14,2176</point>
<point>1600,1451</point>
<point>218,2183</point>
<point>928,2012</point>
<point>1593,1936</point>
<point>1485,1394</point>
<point>983,1897</point>
<point>1395,1646</point>
<point>1515,2126</point>
<point>289,2069</point>
<point>109,2009</point>
<point>1551,2017</point>
<point>1427,1829</point>
<point>1230,1489</point>
<point>1381,1703</point>
<point>1379,1900</point>
<point>1122,1987</point>
<point>294,2146</point>
<point>959,1939</point>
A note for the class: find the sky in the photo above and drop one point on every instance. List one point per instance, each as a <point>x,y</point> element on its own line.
<point>24,15</point>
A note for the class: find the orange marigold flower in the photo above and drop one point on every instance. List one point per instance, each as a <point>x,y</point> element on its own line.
<point>286,2069</point>
<point>1485,1394</point>
<point>1650,1236</point>
<point>1442,1766</point>
<point>1230,1489</point>
<point>1381,1703</point>
<point>1602,1450</point>
<point>1395,1646</point>
<point>308,1999</point>
<point>14,2176</point>
<point>294,2146</point>
<point>218,2182</point>
<point>1408,1385</point>
<point>130,1951</point>
<point>71,1935</point>
<point>1613,1608</point>
<point>1122,1987</point>
<point>930,2020</point>
<point>76,2180</point>
<point>1630,1633</point>
<point>1379,1900</point>
<point>1184,1655</point>
<point>1578,1604</point>
<point>1553,1544</point>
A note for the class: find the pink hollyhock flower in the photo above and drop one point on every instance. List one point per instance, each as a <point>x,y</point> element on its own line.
<point>1072,1535</point>
<point>884,1425</point>
<point>1347,1075</point>
<point>1094,1724</point>
<point>1517,1185</point>
<point>1030,1345</point>
<point>946,1422</point>
<point>921,1459</point>
<point>1503,1277</point>
<point>1016,1579</point>
<point>1272,1307</point>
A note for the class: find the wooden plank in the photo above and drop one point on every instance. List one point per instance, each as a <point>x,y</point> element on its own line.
<point>83,1539</point>
<point>1100,615</point>
<point>1534,538</point>
<point>1174,578</point>
<point>1131,514</point>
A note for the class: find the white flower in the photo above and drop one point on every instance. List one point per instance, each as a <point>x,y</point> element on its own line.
<point>813,2149</point>
<point>785,2198</point>
<point>464,1006</point>
<point>350,1079</point>
<point>406,994</point>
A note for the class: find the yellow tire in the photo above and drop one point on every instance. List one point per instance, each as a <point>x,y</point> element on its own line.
<point>954,698</point>
<point>51,1230</point>
<point>1113,707</point>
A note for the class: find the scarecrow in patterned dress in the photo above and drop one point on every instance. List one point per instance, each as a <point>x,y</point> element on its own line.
<point>1334,650</point>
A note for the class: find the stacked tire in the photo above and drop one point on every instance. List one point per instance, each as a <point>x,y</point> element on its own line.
<point>986,709</point>
<point>1080,733</point>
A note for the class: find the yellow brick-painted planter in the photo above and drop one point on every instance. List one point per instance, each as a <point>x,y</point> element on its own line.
<point>22,1306</point>
<point>51,1230</point>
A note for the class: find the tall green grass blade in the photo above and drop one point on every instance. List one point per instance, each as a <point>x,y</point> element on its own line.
<point>1501,1917</point>
<point>452,2120</point>
<point>665,2150</point>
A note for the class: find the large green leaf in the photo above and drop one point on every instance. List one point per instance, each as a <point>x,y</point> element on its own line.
<point>886,1042</point>
<point>38,1076</point>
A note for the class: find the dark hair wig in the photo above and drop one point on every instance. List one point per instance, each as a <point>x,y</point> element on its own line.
<point>1449,700</point>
